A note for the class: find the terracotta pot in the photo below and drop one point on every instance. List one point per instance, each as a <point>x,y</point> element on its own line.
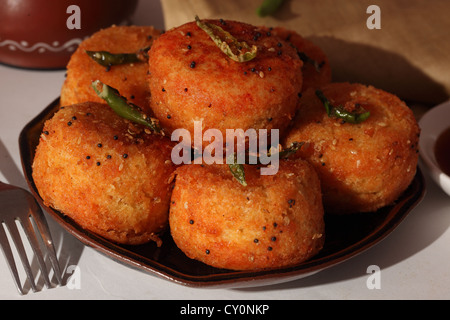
<point>44,33</point>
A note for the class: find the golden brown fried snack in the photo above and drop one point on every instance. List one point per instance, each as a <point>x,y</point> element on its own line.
<point>129,79</point>
<point>365,166</point>
<point>274,221</point>
<point>316,68</point>
<point>191,79</point>
<point>105,173</point>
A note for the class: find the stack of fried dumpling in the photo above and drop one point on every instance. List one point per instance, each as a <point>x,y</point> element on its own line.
<point>117,179</point>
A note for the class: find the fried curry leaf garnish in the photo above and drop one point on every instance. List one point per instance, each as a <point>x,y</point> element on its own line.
<point>106,58</point>
<point>123,108</point>
<point>339,112</point>
<point>237,169</point>
<point>237,51</point>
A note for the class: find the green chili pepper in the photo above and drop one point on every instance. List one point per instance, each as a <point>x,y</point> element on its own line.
<point>293,148</point>
<point>339,112</point>
<point>268,7</point>
<point>237,169</point>
<point>122,107</point>
<point>106,58</point>
<point>238,51</point>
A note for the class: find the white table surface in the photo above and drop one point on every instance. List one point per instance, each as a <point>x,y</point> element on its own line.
<point>414,259</point>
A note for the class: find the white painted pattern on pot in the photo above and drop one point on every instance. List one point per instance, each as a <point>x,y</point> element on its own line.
<point>41,47</point>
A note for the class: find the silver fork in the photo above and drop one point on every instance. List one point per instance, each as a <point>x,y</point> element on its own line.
<point>17,204</point>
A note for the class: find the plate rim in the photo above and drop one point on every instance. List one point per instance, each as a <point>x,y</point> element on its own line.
<point>231,278</point>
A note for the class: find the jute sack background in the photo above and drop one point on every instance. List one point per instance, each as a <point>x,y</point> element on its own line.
<point>409,56</point>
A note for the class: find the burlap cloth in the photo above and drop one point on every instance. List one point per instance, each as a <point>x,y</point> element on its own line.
<point>409,56</point>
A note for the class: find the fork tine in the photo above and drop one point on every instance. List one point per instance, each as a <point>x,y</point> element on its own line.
<point>6,248</point>
<point>44,230</point>
<point>31,235</point>
<point>14,232</point>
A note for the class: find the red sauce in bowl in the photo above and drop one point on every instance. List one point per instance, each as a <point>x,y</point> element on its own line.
<point>442,151</point>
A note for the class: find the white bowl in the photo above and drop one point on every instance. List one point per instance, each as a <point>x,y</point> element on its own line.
<point>433,123</point>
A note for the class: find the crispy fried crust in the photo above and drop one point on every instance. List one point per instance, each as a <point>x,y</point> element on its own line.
<point>362,167</point>
<point>316,69</point>
<point>274,221</point>
<point>129,79</point>
<point>191,79</point>
<point>104,173</point>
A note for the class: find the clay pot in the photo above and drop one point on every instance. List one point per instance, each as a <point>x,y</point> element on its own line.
<point>44,33</point>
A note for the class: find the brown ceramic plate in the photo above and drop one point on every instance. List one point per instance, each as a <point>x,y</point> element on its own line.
<point>346,236</point>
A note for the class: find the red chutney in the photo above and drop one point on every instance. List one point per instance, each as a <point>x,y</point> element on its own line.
<point>442,151</point>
